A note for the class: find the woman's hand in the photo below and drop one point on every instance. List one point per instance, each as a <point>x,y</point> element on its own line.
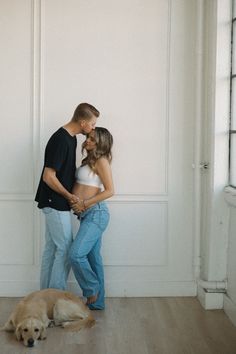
<point>78,207</point>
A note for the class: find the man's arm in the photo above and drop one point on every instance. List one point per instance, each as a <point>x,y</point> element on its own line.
<point>50,178</point>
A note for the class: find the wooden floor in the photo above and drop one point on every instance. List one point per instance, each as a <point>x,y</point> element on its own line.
<point>136,326</point>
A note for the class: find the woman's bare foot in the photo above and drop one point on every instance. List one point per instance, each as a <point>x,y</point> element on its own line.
<point>91,299</point>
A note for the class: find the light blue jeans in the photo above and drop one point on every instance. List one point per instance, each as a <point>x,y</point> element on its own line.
<point>58,238</point>
<point>84,255</point>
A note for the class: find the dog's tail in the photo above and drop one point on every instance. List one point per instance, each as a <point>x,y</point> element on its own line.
<point>77,325</point>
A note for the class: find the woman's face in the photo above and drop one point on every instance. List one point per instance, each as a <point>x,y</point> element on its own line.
<point>90,143</point>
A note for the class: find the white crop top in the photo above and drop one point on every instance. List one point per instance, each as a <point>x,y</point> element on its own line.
<point>84,175</point>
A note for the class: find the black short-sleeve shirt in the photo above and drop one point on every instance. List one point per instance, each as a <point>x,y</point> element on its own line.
<point>60,155</point>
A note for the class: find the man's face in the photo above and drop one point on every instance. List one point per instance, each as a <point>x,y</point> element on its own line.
<point>88,125</point>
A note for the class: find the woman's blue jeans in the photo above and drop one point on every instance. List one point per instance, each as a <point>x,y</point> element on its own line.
<point>84,255</point>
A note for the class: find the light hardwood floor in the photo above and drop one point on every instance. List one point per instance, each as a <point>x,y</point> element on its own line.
<point>136,326</point>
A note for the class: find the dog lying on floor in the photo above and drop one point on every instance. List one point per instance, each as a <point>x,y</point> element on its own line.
<point>40,309</point>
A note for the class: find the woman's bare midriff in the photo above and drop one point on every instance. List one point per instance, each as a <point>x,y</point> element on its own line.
<point>85,192</point>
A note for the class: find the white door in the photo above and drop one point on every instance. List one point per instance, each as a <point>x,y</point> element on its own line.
<point>135,61</point>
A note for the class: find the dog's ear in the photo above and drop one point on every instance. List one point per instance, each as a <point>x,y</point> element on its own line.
<point>18,332</point>
<point>43,333</point>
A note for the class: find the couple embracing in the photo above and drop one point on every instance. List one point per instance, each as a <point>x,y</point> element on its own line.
<point>62,187</point>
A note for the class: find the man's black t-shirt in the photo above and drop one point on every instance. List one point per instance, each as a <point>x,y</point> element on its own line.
<point>60,155</point>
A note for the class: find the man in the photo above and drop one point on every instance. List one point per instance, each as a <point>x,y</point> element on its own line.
<point>54,195</point>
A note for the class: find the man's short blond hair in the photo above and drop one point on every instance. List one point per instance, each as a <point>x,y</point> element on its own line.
<point>85,111</point>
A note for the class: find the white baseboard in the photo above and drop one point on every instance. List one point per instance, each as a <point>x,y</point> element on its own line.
<point>210,300</point>
<point>149,289</point>
<point>113,289</point>
<point>230,308</point>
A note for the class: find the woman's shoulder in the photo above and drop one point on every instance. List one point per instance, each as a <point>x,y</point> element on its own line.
<point>102,164</point>
<point>102,161</point>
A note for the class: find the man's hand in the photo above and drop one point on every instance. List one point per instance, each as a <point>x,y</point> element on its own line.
<point>50,178</point>
<point>73,199</point>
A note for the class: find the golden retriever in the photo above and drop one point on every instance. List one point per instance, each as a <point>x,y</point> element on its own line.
<point>40,309</point>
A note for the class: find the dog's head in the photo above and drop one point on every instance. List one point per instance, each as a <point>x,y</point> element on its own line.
<point>30,330</point>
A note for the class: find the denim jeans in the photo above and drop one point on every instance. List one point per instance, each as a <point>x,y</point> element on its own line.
<point>58,238</point>
<point>85,257</point>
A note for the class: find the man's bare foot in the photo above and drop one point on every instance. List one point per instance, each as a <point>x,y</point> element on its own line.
<point>91,299</point>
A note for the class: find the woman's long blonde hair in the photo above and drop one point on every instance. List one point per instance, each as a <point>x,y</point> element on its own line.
<point>104,142</point>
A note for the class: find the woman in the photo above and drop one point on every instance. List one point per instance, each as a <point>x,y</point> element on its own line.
<point>93,185</point>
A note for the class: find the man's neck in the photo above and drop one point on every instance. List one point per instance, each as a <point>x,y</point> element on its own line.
<point>72,128</point>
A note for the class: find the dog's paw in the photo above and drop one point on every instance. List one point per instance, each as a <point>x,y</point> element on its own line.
<point>65,324</point>
<point>42,337</point>
<point>51,324</point>
<point>57,323</point>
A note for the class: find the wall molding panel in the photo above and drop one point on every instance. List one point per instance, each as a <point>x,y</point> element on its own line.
<point>17,221</point>
<point>16,103</point>
<point>137,235</point>
<point>27,252</point>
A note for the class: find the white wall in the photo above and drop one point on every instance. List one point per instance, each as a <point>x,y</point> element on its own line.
<point>215,152</point>
<point>135,61</point>
<point>216,91</point>
<point>218,246</point>
<point>230,298</point>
